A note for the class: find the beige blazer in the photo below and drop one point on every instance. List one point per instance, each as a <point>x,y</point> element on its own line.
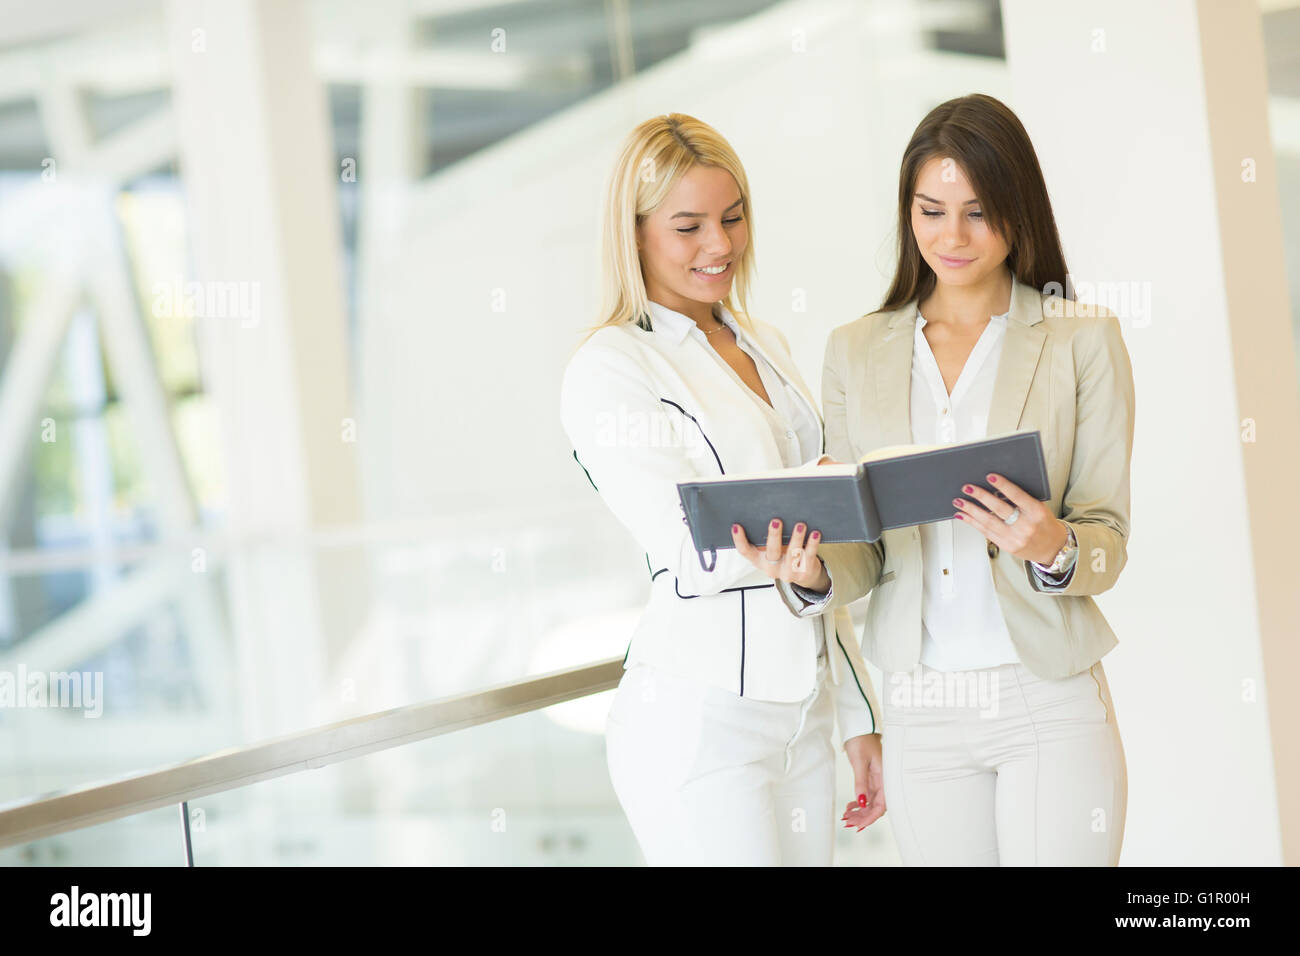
<point>1064,371</point>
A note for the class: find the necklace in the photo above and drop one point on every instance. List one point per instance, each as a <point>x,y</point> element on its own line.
<point>718,329</point>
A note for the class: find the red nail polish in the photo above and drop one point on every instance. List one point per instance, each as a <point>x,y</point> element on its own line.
<point>956,502</point>
<point>958,517</point>
<point>968,489</point>
<point>862,799</point>
<point>816,535</point>
<point>735,529</point>
<point>776,522</point>
<point>993,479</point>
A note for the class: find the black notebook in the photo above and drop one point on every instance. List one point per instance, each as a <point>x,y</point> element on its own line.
<point>890,488</point>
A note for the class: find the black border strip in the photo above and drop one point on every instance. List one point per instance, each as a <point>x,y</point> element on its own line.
<point>584,470</point>
<point>875,729</point>
<point>691,597</point>
<point>742,643</point>
<point>716,457</point>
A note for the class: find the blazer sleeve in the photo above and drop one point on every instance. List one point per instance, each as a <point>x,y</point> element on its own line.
<point>1096,499</point>
<point>635,448</point>
<point>854,568</point>
<point>857,707</point>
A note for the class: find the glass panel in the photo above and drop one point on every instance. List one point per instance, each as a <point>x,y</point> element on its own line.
<point>115,686</point>
<point>531,790</point>
<point>326,631</point>
<point>146,839</point>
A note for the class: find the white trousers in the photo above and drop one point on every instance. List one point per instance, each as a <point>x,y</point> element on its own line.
<point>708,778</point>
<point>1022,772</point>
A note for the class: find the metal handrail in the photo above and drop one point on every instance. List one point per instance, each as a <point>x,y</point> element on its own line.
<point>45,815</point>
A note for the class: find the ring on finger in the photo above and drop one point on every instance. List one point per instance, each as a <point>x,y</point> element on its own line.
<point>771,560</point>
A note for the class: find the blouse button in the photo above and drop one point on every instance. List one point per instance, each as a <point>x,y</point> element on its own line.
<point>993,550</point>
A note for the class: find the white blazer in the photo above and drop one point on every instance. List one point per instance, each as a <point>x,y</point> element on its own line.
<point>647,408</point>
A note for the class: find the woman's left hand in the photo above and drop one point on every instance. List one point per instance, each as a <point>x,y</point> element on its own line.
<point>1036,535</point>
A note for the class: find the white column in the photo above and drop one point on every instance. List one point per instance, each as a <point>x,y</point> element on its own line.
<point>256,159</point>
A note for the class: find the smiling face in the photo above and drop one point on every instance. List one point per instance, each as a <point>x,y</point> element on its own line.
<point>949,226</point>
<point>691,244</point>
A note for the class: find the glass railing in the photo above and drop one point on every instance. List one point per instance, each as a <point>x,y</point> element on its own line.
<point>175,656</point>
<point>338,792</point>
<point>509,775</point>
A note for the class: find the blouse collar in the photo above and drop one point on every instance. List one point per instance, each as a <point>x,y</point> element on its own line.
<point>677,326</point>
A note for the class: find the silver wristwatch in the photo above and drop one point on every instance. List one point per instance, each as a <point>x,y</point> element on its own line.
<point>1070,547</point>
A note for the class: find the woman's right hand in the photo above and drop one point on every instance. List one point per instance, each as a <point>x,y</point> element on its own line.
<point>796,562</point>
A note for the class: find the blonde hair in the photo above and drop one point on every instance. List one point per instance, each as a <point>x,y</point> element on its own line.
<point>654,158</point>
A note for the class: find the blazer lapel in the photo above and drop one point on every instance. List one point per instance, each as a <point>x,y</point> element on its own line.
<point>788,373</point>
<point>892,361</point>
<point>891,367</point>
<point>1021,349</point>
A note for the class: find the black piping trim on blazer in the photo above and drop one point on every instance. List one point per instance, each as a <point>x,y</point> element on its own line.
<point>716,458</point>
<point>713,562</point>
<point>742,643</point>
<point>748,587</point>
<point>584,470</point>
<point>713,555</point>
<point>856,681</point>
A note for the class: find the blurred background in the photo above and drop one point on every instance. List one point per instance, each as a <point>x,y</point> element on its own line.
<point>287,288</point>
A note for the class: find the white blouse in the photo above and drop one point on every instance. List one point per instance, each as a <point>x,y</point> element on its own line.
<point>962,626</point>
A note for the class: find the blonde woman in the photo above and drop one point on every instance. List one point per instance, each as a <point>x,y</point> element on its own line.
<point>719,739</point>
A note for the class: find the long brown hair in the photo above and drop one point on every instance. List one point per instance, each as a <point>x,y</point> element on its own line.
<point>988,141</point>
